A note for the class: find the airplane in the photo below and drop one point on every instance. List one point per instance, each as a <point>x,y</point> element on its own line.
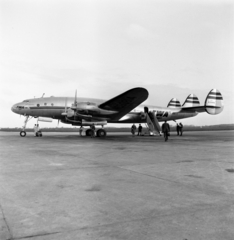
<point>124,108</point>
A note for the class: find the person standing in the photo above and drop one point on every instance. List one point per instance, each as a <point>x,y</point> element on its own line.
<point>139,130</point>
<point>181,129</point>
<point>166,130</point>
<point>81,130</point>
<point>178,129</point>
<point>35,130</point>
<point>93,130</point>
<point>133,129</point>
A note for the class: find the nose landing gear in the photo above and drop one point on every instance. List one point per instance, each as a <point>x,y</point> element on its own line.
<point>23,132</point>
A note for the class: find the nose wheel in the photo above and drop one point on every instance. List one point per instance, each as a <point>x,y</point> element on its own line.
<point>22,133</point>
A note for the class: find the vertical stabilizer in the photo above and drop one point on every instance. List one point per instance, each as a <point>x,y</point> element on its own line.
<point>214,102</point>
<point>174,103</point>
<point>191,101</point>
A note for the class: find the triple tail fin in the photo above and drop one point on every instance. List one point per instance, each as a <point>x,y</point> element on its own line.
<point>213,103</point>
<point>191,101</point>
<point>174,103</point>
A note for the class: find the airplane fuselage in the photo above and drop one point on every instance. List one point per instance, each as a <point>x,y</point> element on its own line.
<point>55,107</point>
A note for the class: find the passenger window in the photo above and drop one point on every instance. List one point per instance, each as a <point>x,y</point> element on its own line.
<point>45,104</point>
<point>52,104</point>
<point>38,105</point>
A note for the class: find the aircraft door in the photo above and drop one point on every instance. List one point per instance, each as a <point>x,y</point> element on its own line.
<point>146,109</point>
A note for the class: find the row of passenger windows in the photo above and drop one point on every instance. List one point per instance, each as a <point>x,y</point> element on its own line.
<point>45,104</point>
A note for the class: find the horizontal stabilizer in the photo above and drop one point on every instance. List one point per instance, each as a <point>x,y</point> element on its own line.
<point>174,103</point>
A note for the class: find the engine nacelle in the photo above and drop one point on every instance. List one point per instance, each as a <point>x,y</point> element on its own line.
<point>64,121</point>
<point>142,115</point>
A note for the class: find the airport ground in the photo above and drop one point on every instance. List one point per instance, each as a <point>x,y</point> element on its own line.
<point>62,186</point>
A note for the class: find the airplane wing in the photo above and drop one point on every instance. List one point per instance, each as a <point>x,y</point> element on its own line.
<point>125,102</point>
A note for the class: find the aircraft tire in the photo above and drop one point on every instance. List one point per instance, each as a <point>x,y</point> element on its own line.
<point>89,132</point>
<point>101,133</point>
<point>22,133</point>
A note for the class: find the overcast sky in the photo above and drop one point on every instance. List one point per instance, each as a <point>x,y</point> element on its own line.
<point>103,48</point>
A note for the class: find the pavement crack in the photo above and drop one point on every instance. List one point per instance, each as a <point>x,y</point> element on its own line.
<point>168,180</point>
<point>35,235</point>
<point>148,175</point>
<point>7,225</point>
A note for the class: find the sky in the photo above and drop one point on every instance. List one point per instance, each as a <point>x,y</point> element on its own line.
<point>103,48</point>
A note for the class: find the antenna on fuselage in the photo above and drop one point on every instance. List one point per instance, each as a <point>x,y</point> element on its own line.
<point>42,95</point>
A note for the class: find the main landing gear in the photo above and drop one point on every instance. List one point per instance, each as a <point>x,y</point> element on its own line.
<point>99,133</point>
<point>39,134</point>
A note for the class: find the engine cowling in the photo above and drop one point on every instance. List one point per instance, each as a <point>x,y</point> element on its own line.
<point>142,115</point>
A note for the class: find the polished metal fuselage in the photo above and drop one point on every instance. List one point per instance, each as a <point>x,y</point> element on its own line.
<point>55,107</point>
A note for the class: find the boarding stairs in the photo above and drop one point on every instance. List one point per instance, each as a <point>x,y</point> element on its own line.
<point>152,123</point>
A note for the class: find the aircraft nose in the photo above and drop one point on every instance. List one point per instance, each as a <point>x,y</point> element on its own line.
<point>13,108</point>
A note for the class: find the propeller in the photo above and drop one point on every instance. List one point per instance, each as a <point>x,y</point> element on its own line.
<point>66,105</point>
<point>75,102</point>
<point>65,109</point>
<point>69,111</point>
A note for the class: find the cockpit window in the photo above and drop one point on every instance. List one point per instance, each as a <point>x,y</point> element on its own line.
<point>20,107</point>
<point>26,101</point>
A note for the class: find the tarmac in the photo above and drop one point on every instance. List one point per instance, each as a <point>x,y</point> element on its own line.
<point>62,186</point>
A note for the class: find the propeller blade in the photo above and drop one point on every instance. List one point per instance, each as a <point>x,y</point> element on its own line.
<point>66,105</point>
<point>75,103</point>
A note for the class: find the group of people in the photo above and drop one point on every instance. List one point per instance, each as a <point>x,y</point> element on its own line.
<point>134,128</point>
<point>165,130</point>
<point>179,129</point>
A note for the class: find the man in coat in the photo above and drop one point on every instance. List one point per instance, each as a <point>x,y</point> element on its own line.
<point>166,130</point>
<point>139,130</point>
